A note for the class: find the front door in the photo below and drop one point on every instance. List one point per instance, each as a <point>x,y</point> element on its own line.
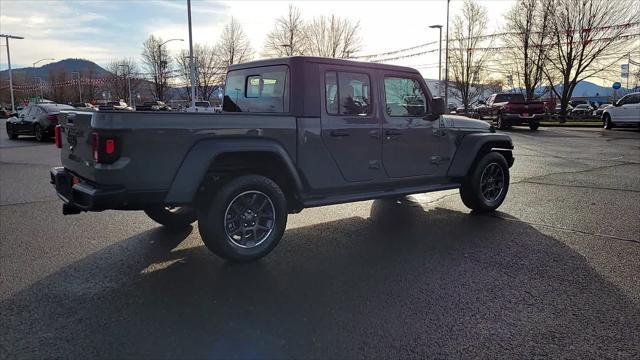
<point>412,145</point>
<point>350,127</point>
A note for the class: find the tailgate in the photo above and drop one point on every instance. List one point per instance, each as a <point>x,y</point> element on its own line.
<point>77,150</point>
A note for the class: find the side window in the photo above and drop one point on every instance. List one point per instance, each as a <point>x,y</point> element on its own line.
<point>634,99</point>
<point>263,89</point>
<point>404,97</point>
<point>347,93</point>
<point>624,100</point>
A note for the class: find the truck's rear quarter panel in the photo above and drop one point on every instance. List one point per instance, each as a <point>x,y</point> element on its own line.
<point>154,144</point>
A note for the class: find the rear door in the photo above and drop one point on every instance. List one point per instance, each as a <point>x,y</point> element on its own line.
<point>412,145</point>
<point>25,122</point>
<point>350,126</point>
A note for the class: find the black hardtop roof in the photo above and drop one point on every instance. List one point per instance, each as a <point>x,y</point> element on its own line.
<point>320,60</point>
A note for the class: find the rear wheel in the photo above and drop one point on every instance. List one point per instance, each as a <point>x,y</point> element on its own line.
<point>485,186</point>
<point>172,217</point>
<point>500,124</point>
<point>606,120</point>
<point>39,133</point>
<point>245,220</point>
<point>533,126</point>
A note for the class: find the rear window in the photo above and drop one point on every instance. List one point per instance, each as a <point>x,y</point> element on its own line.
<point>264,89</point>
<point>204,104</point>
<point>509,98</point>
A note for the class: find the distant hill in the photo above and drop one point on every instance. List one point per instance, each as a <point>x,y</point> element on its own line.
<point>69,65</point>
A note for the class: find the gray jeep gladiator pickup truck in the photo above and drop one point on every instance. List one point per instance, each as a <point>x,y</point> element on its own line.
<point>295,132</point>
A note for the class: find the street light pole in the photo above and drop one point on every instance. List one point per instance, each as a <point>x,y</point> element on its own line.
<point>191,67</point>
<point>439,27</point>
<point>160,58</point>
<point>79,88</point>
<point>6,38</point>
<point>40,82</point>
<point>446,63</point>
<point>33,69</point>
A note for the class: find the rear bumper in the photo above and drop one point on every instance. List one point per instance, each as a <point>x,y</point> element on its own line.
<point>85,196</point>
<point>519,118</point>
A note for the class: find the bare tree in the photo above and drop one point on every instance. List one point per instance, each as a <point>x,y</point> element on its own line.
<point>234,46</point>
<point>526,26</point>
<point>157,64</point>
<point>584,38</point>
<point>332,37</point>
<point>118,81</point>
<point>288,35</point>
<point>465,60</point>
<point>208,71</point>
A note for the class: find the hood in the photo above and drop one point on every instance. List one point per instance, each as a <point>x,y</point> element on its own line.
<point>463,122</point>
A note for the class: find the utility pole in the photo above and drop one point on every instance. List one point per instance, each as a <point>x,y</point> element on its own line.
<point>439,27</point>
<point>191,68</point>
<point>160,76</point>
<point>79,88</point>
<point>446,64</point>
<point>6,38</point>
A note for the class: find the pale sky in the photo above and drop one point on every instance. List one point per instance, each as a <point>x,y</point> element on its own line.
<point>107,30</point>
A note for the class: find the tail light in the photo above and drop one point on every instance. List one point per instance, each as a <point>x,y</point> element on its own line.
<point>58,137</point>
<point>105,148</point>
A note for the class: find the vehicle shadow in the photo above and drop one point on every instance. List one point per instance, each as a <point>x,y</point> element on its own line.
<point>405,282</point>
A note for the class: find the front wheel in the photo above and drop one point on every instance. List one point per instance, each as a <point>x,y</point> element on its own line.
<point>172,217</point>
<point>11,133</point>
<point>608,124</point>
<point>245,219</point>
<point>485,186</point>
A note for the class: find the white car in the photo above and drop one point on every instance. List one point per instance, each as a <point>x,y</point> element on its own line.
<point>204,106</point>
<point>624,112</point>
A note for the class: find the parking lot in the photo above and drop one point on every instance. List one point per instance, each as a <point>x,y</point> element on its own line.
<point>554,273</point>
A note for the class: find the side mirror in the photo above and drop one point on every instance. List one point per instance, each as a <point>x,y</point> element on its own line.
<point>617,103</point>
<point>437,106</point>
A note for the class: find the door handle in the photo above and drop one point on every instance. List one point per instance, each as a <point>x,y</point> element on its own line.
<point>392,132</point>
<point>339,133</point>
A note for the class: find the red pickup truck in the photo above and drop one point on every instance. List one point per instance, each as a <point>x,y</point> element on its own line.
<point>507,109</point>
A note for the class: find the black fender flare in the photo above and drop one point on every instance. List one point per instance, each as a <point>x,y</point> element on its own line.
<point>471,145</point>
<point>193,169</point>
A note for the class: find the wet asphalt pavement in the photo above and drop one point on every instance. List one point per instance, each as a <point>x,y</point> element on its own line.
<point>554,273</point>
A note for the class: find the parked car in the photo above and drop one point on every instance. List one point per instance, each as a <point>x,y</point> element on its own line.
<point>345,131</point>
<point>35,120</point>
<point>85,107</point>
<point>203,106</point>
<point>558,108</point>
<point>508,109</point>
<point>625,111</point>
<point>581,111</point>
<point>598,112</point>
<point>5,113</point>
<point>115,105</point>
<point>153,106</point>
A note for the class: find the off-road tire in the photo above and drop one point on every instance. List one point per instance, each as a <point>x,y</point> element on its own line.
<point>471,192</point>
<point>172,218</point>
<point>212,218</point>
<point>11,133</point>
<point>39,133</point>
<point>533,126</point>
<point>606,121</point>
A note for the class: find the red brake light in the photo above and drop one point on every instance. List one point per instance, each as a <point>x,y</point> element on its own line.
<point>58,137</point>
<point>105,149</point>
